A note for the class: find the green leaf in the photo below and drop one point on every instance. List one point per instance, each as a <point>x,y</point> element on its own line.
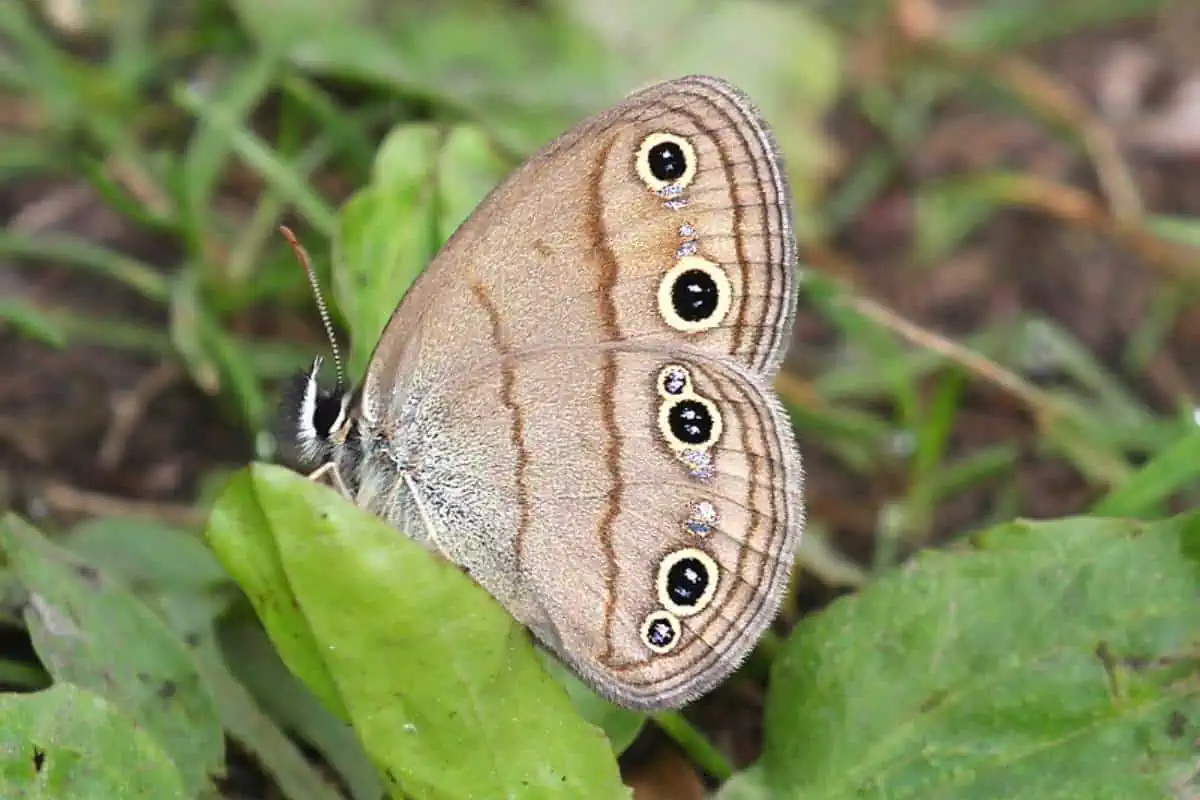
<point>68,742</point>
<point>386,234</point>
<point>443,687</point>
<point>620,725</point>
<point>468,168</point>
<point>147,553</point>
<point>92,632</point>
<point>182,575</point>
<point>424,183</point>
<point>260,736</point>
<point>256,665</point>
<point>1056,661</point>
<point>241,536</point>
<point>746,785</point>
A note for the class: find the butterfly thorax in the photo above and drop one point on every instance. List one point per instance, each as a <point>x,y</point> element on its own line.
<point>403,464</point>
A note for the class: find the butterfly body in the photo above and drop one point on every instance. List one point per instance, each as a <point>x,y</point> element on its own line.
<point>573,400</point>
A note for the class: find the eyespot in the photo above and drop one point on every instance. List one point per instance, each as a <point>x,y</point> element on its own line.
<point>666,159</point>
<point>694,295</point>
<point>674,381</point>
<point>687,581</point>
<point>692,422</point>
<point>661,631</point>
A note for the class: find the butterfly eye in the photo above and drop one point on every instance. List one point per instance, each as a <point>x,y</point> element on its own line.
<point>687,581</point>
<point>694,295</point>
<point>666,160</point>
<point>329,413</point>
<point>661,631</point>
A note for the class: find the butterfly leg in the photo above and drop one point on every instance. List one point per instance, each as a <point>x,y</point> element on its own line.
<point>426,521</point>
<point>329,471</point>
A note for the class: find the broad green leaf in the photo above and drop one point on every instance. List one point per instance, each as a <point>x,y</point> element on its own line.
<point>443,687</point>
<point>468,168</point>
<point>620,725</point>
<point>66,742</point>
<point>259,735</point>
<point>424,183</point>
<point>386,234</point>
<point>90,631</point>
<point>257,666</point>
<point>241,536</point>
<point>181,576</point>
<point>1058,660</point>
<point>147,553</point>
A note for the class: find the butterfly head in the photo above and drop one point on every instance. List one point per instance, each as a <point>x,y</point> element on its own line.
<point>318,418</point>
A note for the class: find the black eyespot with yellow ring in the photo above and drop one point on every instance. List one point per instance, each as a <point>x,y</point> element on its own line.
<point>687,581</point>
<point>666,159</point>
<point>674,381</point>
<point>694,295</point>
<point>690,422</point>
<point>661,631</point>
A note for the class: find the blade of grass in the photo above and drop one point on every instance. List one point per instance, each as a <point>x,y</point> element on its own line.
<point>32,323</point>
<point>345,131</point>
<point>262,159</point>
<point>267,360</point>
<point>210,146</point>
<point>1174,469</point>
<point>72,252</point>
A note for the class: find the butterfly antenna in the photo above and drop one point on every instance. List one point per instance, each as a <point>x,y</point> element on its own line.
<point>326,320</point>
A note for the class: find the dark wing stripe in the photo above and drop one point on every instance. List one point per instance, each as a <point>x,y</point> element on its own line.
<point>786,307</point>
<point>608,274</point>
<point>517,420</point>
<point>759,150</point>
